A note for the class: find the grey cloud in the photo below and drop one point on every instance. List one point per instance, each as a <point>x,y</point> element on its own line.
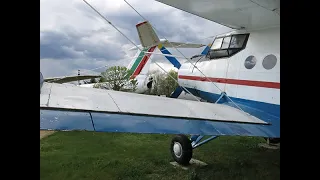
<point>53,42</point>
<point>67,50</point>
<point>70,44</point>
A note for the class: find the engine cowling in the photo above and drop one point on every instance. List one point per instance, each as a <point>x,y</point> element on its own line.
<point>145,82</point>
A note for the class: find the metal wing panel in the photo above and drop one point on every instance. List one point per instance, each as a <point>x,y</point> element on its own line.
<point>79,98</point>
<point>106,122</point>
<point>65,120</point>
<point>69,97</point>
<point>236,14</point>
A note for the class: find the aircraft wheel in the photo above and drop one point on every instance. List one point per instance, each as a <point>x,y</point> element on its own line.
<point>181,149</point>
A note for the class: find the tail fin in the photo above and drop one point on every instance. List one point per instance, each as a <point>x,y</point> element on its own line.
<point>139,62</point>
<point>149,38</point>
<point>149,41</point>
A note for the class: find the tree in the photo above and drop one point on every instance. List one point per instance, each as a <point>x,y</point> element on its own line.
<point>164,84</point>
<point>117,78</point>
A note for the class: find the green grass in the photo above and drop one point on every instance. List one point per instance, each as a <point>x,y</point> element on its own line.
<point>107,156</point>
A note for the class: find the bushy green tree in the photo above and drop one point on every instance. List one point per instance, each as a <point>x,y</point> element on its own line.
<point>164,84</point>
<point>117,78</point>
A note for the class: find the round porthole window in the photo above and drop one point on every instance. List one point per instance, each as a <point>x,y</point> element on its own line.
<point>269,61</point>
<point>250,62</point>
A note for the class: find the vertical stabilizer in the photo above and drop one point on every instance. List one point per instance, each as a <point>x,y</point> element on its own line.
<point>147,36</point>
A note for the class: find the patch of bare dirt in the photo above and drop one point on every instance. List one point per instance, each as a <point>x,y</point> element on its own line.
<point>44,133</point>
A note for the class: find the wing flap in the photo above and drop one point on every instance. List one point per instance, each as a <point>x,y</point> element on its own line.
<point>68,120</point>
<point>65,120</point>
<point>68,97</point>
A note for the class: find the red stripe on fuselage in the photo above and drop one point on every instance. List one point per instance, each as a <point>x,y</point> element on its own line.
<point>274,85</point>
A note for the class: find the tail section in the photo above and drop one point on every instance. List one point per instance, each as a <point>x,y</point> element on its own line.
<point>172,60</point>
<point>149,41</point>
<point>147,36</point>
<point>139,62</point>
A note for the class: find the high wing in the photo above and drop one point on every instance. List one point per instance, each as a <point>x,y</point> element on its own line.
<point>66,79</point>
<point>236,14</point>
<point>67,107</point>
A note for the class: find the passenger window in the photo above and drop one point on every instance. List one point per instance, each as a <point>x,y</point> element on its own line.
<point>250,62</point>
<point>269,61</point>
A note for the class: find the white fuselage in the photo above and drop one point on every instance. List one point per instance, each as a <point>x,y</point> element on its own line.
<point>260,84</point>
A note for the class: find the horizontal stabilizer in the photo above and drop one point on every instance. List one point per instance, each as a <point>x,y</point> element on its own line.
<point>180,45</point>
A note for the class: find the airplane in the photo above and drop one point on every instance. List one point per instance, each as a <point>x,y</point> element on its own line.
<point>140,64</point>
<point>239,77</point>
<point>65,79</point>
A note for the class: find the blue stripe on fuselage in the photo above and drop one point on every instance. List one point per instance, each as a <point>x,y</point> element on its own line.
<point>264,111</point>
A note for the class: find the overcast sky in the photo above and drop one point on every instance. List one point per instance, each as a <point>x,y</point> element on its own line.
<point>73,36</point>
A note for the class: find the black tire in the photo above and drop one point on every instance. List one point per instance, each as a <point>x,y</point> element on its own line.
<point>186,154</point>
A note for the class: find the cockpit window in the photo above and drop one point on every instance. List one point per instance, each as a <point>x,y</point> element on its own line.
<point>237,41</point>
<point>217,43</point>
<point>227,46</point>
<point>226,42</point>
